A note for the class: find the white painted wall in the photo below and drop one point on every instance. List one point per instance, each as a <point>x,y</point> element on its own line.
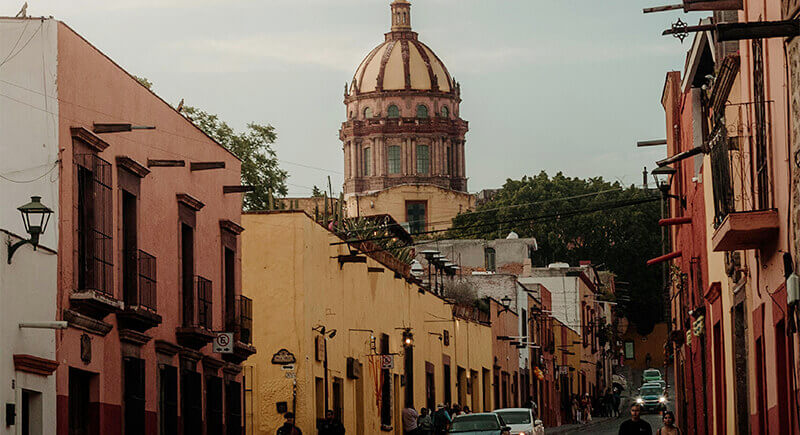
<point>565,297</point>
<point>28,167</point>
<point>28,121</point>
<point>27,294</point>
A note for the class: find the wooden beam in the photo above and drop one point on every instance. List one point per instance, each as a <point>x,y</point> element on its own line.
<point>154,163</point>
<point>664,258</point>
<point>350,259</point>
<point>238,189</point>
<point>662,8</point>
<point>111,127</point>
<point>204,166</point>
<point>675,221</point>
<point>650,143</point>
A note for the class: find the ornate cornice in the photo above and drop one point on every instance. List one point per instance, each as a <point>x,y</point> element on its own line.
<point>190,201</point>
<point>88,138</point>
<point>34,364</point>
<point>402,93</point>
<point>132,166</point>
<point>166,348</point>
<point>86,323</point>
<point>133,337</point>
<point>231,226</point>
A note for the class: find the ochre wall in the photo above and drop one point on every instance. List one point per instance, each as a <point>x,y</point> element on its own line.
<point>652,343</point>
<point>442,204</point>
<point>292,274</point>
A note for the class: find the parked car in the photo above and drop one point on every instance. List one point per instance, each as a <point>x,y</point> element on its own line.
<point>484,423</point>
<point>651,375</point>
<point>651,398</point>
<point>519,419</point>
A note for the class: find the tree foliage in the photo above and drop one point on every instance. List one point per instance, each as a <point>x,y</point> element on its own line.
<point>253,147</point>
<point>620,238</point>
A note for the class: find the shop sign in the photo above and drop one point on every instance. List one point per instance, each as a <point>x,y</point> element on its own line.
<point>283,357</point>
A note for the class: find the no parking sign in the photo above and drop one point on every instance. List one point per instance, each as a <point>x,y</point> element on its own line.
<point>223,342</point>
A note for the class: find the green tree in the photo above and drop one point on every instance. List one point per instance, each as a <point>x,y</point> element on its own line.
<point>146,83</point>
<point>253,147</point>
<point>620,238</point>
<point>316,192</point>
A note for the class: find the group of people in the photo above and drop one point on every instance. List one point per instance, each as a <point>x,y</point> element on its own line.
<point>636,426</point>
<point>431,422</point>
<point>329,426</point>
<point>605,405</point>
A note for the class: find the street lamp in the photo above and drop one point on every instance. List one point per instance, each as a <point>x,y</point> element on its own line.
<point>505,302</point>
<point>35,217</point>
<point>663,176</point>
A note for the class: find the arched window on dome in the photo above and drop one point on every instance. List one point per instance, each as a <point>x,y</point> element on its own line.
<point>393,111</point>
<point>445,112</point>
<point>368,113</point>
<point>422,111</point>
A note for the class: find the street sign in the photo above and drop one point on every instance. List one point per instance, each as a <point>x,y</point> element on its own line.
<point>283,357</point>
<point>289,367</point>
<point>223,343</point>
<point>387,362</point>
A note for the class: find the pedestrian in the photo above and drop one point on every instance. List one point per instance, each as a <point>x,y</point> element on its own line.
<point>587,408</point>
<point>617,400</point>
<point>576,406</point>
<point>635,426</point>
<point>609,403</point>
<point>441,420</point>
<point>410,417</point>
<point>669,427</point>
<point>466,410</point>
<point>288,427</point>
<point>331,425</point>
<point>424,422</point>
<point>455,411</point>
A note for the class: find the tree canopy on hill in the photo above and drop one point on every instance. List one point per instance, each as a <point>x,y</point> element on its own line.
<point>576,219</point>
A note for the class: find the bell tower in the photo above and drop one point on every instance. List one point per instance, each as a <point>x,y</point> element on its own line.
<point>401,16</point>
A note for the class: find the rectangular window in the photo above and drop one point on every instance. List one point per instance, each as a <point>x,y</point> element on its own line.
<point>187,274</point>
<point>416,216</point>
<point>448,393</point>
<point>423,159</point>
<point>168,399</point>
<point>31,413</point>
<point>94,207</point>
<point>213,404</point>
<point>448,168</point>
<point>130,266</point>
<point>133,395</point>
<point>233,408</point>
<point>191,402</point>
<point>489,259</point>
<point>629,350</point>
<point>367,162</point>
<point>386,379</point>
<point>524,319</point>
<point>394,159</point>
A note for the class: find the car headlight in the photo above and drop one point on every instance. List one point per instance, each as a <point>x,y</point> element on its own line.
<point>662,399</point>
<point>639,400</point>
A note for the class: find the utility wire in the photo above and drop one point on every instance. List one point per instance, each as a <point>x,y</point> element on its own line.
<point>12,56</point>
<point>543,218</point>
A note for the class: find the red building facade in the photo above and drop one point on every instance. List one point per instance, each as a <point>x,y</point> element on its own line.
<point>149,260</point>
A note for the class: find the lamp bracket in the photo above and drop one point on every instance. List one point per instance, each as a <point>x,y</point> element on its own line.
<point>12,248</point>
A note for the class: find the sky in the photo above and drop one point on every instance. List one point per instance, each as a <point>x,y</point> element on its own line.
<point>553,85</point>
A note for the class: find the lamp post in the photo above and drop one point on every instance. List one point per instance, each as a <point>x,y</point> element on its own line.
<point>506,303</point>
<point>35,217</point>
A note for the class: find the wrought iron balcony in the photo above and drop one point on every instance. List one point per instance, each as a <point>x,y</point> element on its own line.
<point>243,327</point>
<point>197,315</point>
<point>139,292</point>
<point>94,295</point>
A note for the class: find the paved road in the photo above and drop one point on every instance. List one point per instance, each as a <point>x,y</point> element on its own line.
<point>611,426</point>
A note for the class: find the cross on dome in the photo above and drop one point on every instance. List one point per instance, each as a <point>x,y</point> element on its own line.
<point>401,16</point>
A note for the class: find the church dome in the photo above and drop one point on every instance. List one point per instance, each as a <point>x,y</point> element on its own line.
<point>402,62</point>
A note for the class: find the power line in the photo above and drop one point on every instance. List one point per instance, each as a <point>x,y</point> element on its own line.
<point>12,56</point>
<point>543,218</point>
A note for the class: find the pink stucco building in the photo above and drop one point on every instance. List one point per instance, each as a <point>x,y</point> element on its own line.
<point>148,256</point>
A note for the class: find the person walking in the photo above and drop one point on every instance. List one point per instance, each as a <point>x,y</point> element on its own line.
<point>410,417</point>
<point>424,423</point>
<point>288,427</point>
<point>331,425</point>
<point>608,404</point>
<point>669,427</point>
<point>617,400</point>
<point>635,426</point>
<point>441,420</point>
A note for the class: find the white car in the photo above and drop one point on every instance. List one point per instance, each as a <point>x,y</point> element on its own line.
<point>519,419</point>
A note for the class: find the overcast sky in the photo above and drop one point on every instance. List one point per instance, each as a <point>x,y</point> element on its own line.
<point>554,85</point>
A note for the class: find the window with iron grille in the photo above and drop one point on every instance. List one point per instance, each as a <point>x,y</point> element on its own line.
<point>147,281</point>
<point>204,316</point>
<point>722,182</point>
<point>134,395</point>
<point>95,256</point>
<point>246,331</point>
<point>760,131</point>
<point>187,274</point>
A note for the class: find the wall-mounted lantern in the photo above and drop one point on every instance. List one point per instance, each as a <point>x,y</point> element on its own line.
<point>505,302</point>
<point>35,217</point>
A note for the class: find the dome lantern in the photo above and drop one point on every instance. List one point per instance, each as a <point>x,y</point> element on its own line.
<point>401,16</point>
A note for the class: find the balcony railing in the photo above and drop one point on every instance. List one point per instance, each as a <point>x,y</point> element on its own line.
<point>97,266</point>
<point>197,305</point>
<point>245,320</point>
<point>140,280</point>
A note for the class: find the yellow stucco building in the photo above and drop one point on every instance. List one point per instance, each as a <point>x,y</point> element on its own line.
<point>300,283</point>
